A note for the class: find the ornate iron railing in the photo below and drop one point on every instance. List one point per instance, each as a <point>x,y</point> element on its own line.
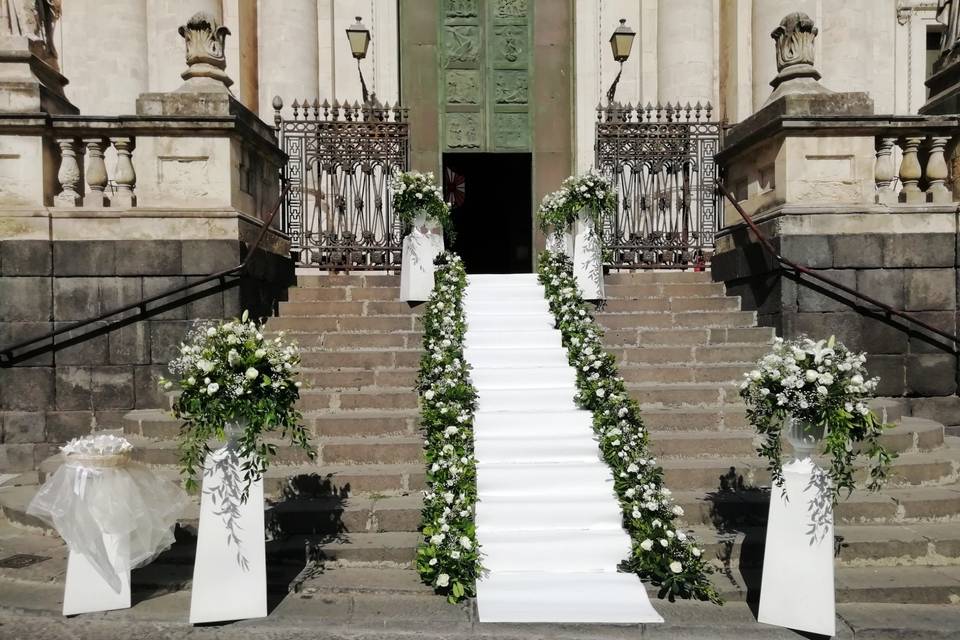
<point>661,160</point>
<point>338,209</point>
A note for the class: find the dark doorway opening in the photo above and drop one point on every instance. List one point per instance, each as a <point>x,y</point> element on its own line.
<point>490,194</point>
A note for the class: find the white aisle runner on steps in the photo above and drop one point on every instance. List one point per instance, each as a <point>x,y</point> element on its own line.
<point>548,520</point>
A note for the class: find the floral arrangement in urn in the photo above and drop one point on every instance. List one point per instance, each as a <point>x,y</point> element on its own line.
<point>235,383</point>
<point>590,191</point>
<point>416,193</point>
<point>817,392</point>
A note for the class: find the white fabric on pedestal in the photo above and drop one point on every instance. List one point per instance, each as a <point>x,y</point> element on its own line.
<point>548,521</point>
<point>588,258</point>
<point>797,589</point>
<point>420,248</point>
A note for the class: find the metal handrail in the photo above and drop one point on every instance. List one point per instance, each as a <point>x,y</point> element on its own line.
<point>807,271</point>
<point>7,355</point>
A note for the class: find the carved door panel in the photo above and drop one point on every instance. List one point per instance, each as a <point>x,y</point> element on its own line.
<point>485,54</point>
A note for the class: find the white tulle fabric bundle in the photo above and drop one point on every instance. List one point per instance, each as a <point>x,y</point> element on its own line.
<point>99,491</point>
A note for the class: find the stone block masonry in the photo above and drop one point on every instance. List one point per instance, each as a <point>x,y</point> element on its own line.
<point>869,252</point>
<point>91,379</point>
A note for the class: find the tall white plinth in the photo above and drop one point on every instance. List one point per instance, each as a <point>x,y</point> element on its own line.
<point>797,591</point>
<point>420,248</point>
<point>587,259</point>
<point>230,571</point>
<point>87,590</point>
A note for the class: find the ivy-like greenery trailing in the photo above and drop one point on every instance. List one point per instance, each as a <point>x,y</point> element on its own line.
<point>824,387</point>
<point>590,191</point>
<point>448,557</point>
<point>661,553</point>
<point>415,193</point>
<point>229,373</point>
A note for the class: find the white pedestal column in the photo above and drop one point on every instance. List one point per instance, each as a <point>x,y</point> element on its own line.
<point>588,259</point>
<point>420,248</point>
<point>167,49</point>
<point>87,591</point>
<point>797,590</point>
<point>230,570</point>
<point>685,52</point>
<point>289,53</point>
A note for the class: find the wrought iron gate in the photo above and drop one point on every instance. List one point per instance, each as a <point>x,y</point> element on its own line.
<point>338,209</point>
<point>661,160</point>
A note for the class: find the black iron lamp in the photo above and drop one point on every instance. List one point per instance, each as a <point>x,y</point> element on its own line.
<point>621,42</point>
<point>359,37</point>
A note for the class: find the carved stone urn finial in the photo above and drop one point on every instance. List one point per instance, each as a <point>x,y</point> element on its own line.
<point>795,57</point>
<point>206,61</point>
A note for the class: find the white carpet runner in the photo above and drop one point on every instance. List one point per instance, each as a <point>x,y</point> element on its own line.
<point>548,520</point>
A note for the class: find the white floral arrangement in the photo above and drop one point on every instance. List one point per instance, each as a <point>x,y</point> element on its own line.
<point>825,387</point>
<point>591,191</point>
<point>415,193</point>
<point>448,557</point>
<point>661,551</point>
<point>231,373</point>
<point>103,444</point>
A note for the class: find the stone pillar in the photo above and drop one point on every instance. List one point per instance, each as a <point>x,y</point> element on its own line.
<point>767,15</point>
<point>685,51</point>
<point>289,59</point>
<point>165,43</point>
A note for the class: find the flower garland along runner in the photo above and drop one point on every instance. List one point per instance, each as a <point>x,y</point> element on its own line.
<point>448,557</point>
<point>669,558</point>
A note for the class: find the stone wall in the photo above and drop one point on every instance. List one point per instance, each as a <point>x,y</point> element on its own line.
<point>879,256</point>
<point>90,381</point>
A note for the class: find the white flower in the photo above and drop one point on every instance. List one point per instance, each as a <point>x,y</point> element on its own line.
<point>455,555</point>
<point>191,381</point>
<point>448,496</point>
<point>444,527</point>
<point>601,392</point>
<point>251,374</point>
<point>259,353</point>
<point>676,567</point>
<point>466,543</point>
<point>443,580</point>
<point>695,551</point>
<point>433,561</point>
<point>205,365</point>
<point>677,510</point>
<point>212,331</point>
<point>811,375</point>
<point>436,538</point>
<point>212,388</point>
<point>646,545</point>
<point>429,394</point>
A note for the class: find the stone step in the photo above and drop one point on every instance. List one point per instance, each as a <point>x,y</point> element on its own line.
<point>658,277</point>
<point>355,293</point>
<point>357,378</point>
<point>744,355</point>
<point>357,359</point>
<point>894,505</point>
<point>355,324</point>
<point>336,516</point>
<point>374,398</point>
<point>694,418</point>
<point>678,373</point>
<point>922,543</point>
<point>355,280</point>
<point>348,308</point>
<point>716,473</point>
<point>664,290</point>
<point>392,549</point>
<point>685,319</point>
<point>673,304</point>
<point>672,337</point>
<point>701,394</point>
<point>368,341</point>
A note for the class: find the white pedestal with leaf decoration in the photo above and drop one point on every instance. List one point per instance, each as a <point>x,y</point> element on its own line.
<point>588,258</point>
<point>420,248</point>
<point>86,590</point>
<point>797,590</point>
<point>230,570</point>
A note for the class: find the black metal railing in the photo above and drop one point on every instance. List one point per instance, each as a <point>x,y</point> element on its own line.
<point>338,210</point>
<point>661,161</point>
<point>804,270</point>
<point>9,355</point>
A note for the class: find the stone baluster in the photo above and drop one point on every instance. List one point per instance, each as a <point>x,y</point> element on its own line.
<point>884,172</point>
<point>126,176</point>
<point>69,174</point>
<point>937,172</point>
<point>910,172</point>
<point>96,173</point>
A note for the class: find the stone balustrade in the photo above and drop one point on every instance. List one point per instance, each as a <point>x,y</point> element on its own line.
<point>102,189</point>
<point>913,168</point>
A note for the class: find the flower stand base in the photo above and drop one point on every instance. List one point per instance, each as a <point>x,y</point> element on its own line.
<point>420,248</point>
<point>87,591</point>
<point>587,259</point>
<point>797,590</point>
<point>230,571</point>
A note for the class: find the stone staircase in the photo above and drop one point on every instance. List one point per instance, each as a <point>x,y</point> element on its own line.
<point>682,347</point>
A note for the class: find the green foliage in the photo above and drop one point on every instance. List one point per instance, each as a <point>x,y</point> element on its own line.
<point>823,384</point>
<point>415,193</point>
<point>448,557</point>
<point>591,192</point>
<point>229,373</point>
<point>661,553</point>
